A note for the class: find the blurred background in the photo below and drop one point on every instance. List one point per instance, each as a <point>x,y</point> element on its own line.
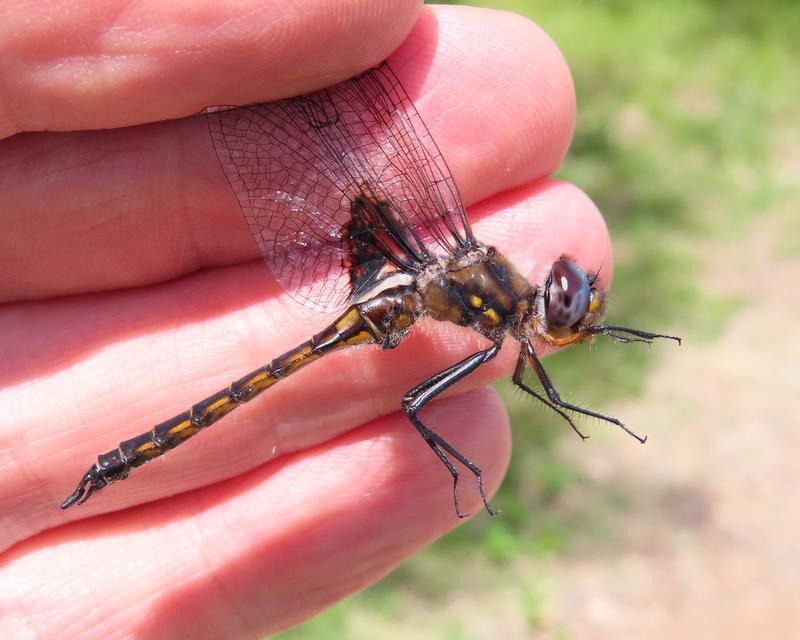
<point>688,139</point>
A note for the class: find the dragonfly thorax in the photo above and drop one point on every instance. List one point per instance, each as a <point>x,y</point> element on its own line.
<point>485,293</point>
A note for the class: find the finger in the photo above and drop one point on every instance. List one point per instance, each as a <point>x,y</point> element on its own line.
<point>91,371</point>
<point>84,65</point>
<point>281,543</point>
<point>496,93</point>
<point>103,210</point>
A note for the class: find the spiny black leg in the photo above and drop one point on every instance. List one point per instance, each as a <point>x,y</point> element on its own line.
<point>450,466</point>
<point>615,333</point>
<point>469,465</point>
<point>554,398</point>
<point>519,372</point>
<point>552,406</point>
<point>423,393</point>
<point>436,441</point>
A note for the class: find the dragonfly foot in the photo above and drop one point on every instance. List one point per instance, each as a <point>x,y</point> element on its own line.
<point>489,509</point>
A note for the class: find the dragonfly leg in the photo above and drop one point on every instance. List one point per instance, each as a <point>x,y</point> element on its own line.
<point>519,371</point>
<point>555,400</point>
<point>423,393</point>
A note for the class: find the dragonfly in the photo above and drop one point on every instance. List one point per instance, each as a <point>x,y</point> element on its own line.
<point>354,209</point>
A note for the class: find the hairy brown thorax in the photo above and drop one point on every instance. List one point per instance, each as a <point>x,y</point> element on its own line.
<point>486,294</point>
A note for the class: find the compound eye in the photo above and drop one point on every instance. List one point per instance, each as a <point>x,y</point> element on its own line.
<point>567,294</point>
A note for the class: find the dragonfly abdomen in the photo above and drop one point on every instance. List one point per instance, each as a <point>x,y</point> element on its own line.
<point>383,319</point>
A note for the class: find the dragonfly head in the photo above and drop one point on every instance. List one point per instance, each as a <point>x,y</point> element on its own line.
<point>570,297</point>
<point>569,302</point>
<point>571,307</point>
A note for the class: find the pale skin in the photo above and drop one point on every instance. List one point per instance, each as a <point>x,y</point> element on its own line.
<point>130,288</point>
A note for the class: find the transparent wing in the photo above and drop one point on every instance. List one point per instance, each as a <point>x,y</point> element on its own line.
<point>298,165</point>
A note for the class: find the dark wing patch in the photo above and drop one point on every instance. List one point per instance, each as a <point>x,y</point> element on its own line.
<point>364,262</point>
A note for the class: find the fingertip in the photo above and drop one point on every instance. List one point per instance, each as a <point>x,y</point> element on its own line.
<point>536,224</point>
<point>102,66</point>
<point>496,92</point>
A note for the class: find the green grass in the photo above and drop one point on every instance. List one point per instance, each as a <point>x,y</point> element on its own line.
<point>687,113</point>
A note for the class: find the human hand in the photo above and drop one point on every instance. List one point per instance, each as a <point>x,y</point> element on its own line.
<point>131,288</point>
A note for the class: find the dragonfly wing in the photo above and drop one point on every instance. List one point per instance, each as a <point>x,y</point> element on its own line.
<point>301,169</point>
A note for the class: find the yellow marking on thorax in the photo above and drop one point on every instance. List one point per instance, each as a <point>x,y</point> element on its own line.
<point>492,315</point>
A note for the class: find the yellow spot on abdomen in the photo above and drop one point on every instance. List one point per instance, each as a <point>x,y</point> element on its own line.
<point>183,430</point>
<point>144,448</point>
<point>360,338</point>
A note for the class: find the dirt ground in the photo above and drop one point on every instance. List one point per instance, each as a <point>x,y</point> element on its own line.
<point>710,547</point>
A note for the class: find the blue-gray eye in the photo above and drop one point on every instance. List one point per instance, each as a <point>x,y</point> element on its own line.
<point>566,296</point>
